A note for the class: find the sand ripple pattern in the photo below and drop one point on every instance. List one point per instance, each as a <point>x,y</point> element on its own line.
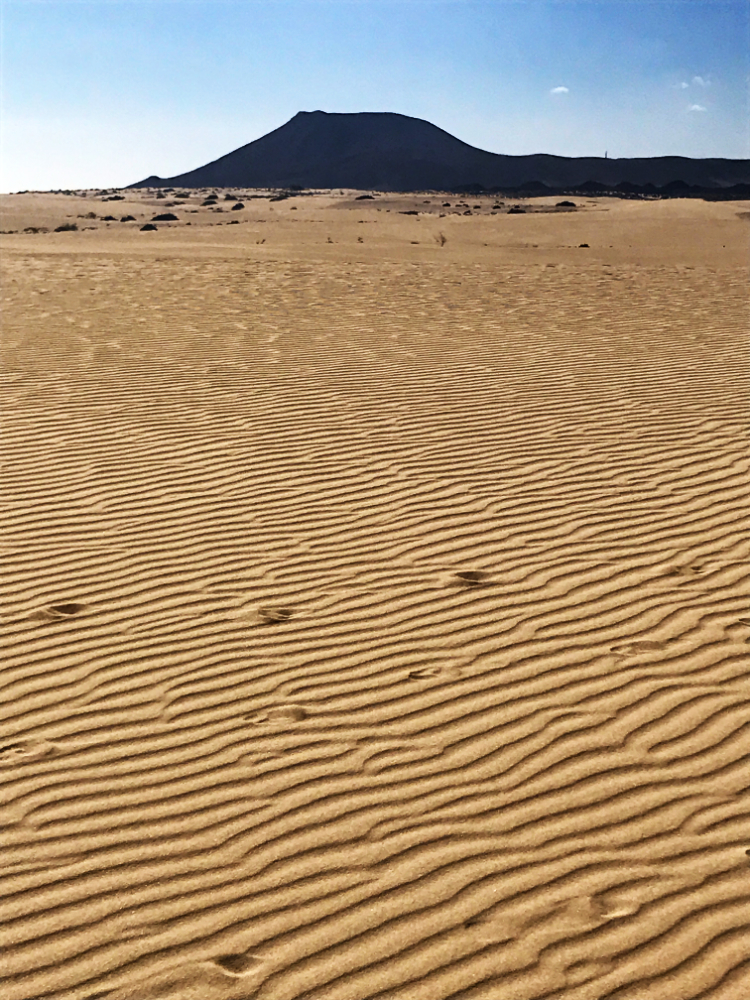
<point>374,632</point>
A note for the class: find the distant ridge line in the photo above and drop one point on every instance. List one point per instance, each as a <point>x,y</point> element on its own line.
<point>385,151</point>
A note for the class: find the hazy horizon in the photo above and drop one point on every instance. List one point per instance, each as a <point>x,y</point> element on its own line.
<point>102,94</point>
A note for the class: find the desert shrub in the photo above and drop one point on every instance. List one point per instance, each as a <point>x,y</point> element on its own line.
<point>160,194</point>
<point>209,201</point>
<point>148,228</point>
<point>165,217</point>
<point>516,210</point>
<point>566,204</point>
<point>128,218</point>
<point>364,197</point>
<point>66,227</point>
<point>182,194</point>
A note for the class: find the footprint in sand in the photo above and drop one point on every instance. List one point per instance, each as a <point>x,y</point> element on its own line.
<point>639,646</point>
<point>228,977</point>
<point>58,612</point>
<point>274,616</point>
<point>278,713</point>
<point>431,673</point>
<point>471,577</point>
<point>17,753</point>
<point>239,964</point>
<point>686,570</point>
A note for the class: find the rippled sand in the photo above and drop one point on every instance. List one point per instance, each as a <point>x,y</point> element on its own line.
<point>376,611</point>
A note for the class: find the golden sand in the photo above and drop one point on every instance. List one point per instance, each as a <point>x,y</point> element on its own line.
<point>376,603</point>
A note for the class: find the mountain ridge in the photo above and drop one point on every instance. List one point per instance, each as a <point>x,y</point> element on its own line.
<point>387,151</point>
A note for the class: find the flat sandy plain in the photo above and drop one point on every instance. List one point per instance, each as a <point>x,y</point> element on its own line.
<point>376,617</point>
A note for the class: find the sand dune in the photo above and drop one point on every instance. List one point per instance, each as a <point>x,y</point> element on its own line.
<point>376,613</point>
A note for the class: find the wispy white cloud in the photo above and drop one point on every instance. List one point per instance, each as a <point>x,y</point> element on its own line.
<point>697,107</point>
<point>701,81</point>
<point>559,90</point>
<point>684,85</point>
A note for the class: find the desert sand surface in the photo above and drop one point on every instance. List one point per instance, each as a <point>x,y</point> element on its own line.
<point>376,614</point>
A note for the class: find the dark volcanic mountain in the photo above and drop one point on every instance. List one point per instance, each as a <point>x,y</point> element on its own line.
<point>383,151</point>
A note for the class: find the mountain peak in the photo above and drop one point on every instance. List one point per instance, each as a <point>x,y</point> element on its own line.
<point>388,151</point>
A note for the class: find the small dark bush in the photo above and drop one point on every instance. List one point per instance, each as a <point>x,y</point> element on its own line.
<point>230,197</point>
<point>66,227</point>
<point>160,194</point>
<point>279,197</point>
<point>516,210</point>
<point>468,212</point>
<point>108,218</point>
<point>583,245</point>
<point>566,204</point>
<point>209,201</point>
<point>364,197</point>
<point>182,194</point>
<point>237,207</point>
<point>128,218</point>
<point>148,228</point>
<point>446,204</point>
<point>165,217</point>
<point>409,213</point>
<point>115,197</point>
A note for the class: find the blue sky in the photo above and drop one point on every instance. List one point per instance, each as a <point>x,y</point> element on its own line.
<point>105,93</point>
